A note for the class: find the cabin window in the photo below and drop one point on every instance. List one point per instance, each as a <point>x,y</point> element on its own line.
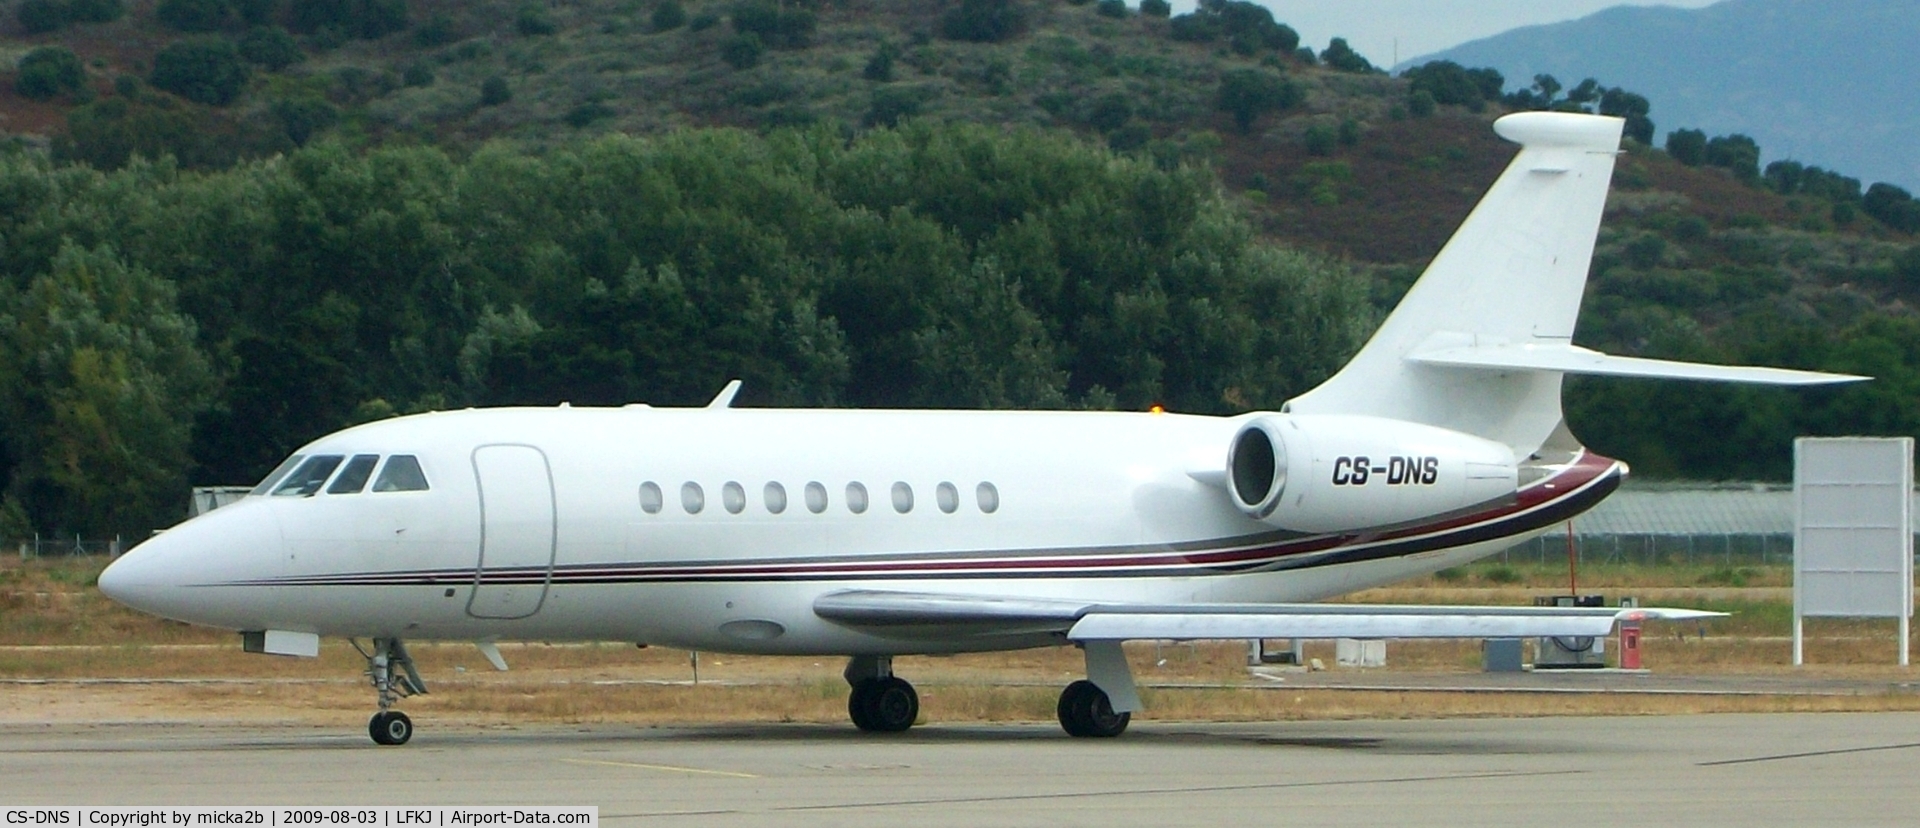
<point>266,483</point>
<point>734,497</point>
<point>776,496</point>
<point>650,498</point>
<point>401,474</point>
<point>902,498</point>
<point>816,498</point>
<point>856,498</point>
<point>947,497</point>
<point>353,478</point>
<point>988,496</point>
<point>692,498</point>
<point>307,479</point>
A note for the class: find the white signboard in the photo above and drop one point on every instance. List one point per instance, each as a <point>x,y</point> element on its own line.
<point>1853,530</point>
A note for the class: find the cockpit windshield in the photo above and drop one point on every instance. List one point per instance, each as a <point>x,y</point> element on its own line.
<point>353,478</point>
<point>308,478</point>
<point>401,474</point>
<point>273,477</point>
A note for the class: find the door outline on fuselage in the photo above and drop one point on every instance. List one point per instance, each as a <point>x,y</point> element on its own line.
<point>495,600</point>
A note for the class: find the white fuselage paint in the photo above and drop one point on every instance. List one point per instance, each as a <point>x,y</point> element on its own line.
<point>1072,488</point>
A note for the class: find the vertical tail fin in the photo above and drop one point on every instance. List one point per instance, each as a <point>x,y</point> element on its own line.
<point>1512,275</point>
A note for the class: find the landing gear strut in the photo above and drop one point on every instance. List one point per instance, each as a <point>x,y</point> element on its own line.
<point>880,702</point>
<point>390,727</point>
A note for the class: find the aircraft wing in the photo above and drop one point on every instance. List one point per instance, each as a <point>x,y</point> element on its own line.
<point>1086,621</point>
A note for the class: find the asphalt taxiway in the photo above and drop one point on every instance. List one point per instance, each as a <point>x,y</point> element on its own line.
<point>1783,769</point>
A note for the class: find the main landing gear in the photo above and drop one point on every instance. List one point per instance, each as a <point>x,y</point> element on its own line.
<point>1098,706</point>
<point>880,702</point>
<point>390,727</point>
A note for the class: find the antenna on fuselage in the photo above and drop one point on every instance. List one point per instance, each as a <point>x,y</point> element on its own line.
<point>724,399</point>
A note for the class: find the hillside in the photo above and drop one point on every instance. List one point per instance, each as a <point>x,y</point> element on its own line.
<point>1815,82</point>
<point>492,203</point>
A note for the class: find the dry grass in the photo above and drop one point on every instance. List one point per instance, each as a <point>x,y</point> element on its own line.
<point>55,628</point>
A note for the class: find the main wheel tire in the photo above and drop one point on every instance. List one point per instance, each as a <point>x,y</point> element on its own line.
<point>893,706</point>
<point>1086,711</point>
<point>390,728</point>
<point>860,704</point>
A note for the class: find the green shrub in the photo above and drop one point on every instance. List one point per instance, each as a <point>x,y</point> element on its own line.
<point>271,47</point>
<point>366,19</point>
<point>775,26</point>
<point>50,71</point>
<point>1320,139</point>
<point>742,51</point>
<point>95,11</point>
<point>984,21</point>
<point>1156,8</point>
<point>533,21</point>
<point>669,15</point>
<point>891,105</point>
<point>206,70</point>
<point>41,16</point>
<point>586,113</point>
<point>417,74</point>
<point>437,31</point>
<point>258,12</point>
<point>494,91</point>
<point>303,116</point>
<point>1249,93</point>
<point>1111,8</point>
<point>879,67</point>
<point>1451,575</point>
<point>194,15</point>
<point>1420,103</point>
<point>1500,574</point>
<point>703,21</point>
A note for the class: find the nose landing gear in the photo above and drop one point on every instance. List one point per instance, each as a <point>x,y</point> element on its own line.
<point>390,727</point>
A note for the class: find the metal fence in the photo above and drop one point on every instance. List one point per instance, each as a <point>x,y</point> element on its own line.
<point>1656,550</point>
<point>55,546</point>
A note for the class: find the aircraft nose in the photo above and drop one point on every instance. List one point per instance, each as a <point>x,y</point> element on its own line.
<point>181,573</point>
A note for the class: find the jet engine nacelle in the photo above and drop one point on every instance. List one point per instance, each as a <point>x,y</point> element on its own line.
<point>1335,473</point>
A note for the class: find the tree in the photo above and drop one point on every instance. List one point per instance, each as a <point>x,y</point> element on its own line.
<point>50,71</point>
<point>1446,82</point>
<point>1249,93</point>
<point>534,21</point>
<point>1635,108</point>
<point>206,70</point>
<point>1249,28</point>
<point>775,26</point>
<point>1111,8</point>
<point>1156,8</point>
<point>109,383</point>
<point>271,47</point>
<point>1341,56</point>
<point>879,68</point>
<point>1687,146</point>
<point>1892,206</point>
<point>1736,152</point>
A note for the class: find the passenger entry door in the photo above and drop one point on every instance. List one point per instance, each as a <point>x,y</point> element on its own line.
<point>516,531</point>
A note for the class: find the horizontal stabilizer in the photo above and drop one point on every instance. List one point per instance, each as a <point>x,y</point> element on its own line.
<point>933,613</point>
<point>1573,359</point>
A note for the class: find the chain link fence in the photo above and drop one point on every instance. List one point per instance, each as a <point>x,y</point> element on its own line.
<point>59,546</point>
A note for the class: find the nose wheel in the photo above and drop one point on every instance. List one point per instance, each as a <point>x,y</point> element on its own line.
<point>393,676</point>
<point>390,727</point>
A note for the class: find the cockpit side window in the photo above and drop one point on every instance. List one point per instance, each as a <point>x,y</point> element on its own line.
<point>307,479</point>
<point>273,477</point>
<point>353,478</point>
<point>401,474</point>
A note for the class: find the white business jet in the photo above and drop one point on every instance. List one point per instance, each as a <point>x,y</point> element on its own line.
<point>873,534</point>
